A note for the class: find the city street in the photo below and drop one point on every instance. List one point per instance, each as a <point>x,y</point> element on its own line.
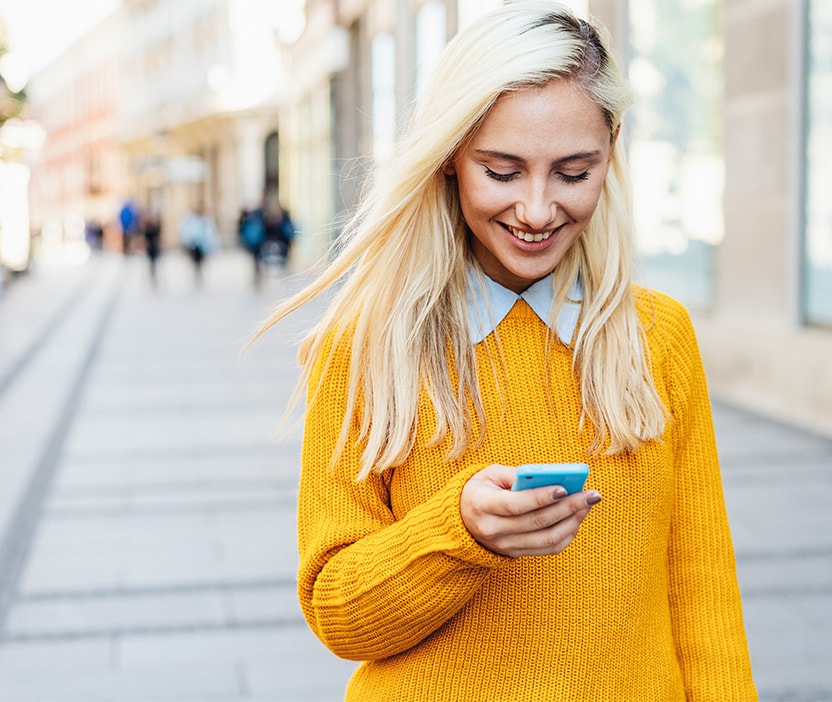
<point>147,505</point>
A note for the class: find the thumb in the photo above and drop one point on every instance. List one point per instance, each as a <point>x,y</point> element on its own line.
<point>498,476</point>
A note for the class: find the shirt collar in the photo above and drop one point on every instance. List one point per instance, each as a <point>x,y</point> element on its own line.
<point>489,303</point>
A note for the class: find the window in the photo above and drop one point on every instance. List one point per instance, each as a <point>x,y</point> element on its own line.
<point>430,41</point>
<point>383,61</point>
<point>817,242</point>
<point>675,143</point>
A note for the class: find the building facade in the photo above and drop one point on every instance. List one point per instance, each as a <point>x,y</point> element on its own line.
<point>765,318</point>
<point>767,338</point>
<point>78,174</point>
<point>199,118</point>
<point>169,105</point>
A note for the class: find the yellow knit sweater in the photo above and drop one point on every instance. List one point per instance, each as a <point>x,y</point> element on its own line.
<point>643,605</point>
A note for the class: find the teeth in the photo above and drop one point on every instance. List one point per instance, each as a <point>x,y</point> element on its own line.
<point>527,236</point>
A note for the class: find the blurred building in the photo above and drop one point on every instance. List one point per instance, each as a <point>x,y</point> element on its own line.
<point>199,122</point>
<point>19,139</point>
<point>758,277</point>
<point>768,335</point>
<point>78,176</point>
<point>167,104</point>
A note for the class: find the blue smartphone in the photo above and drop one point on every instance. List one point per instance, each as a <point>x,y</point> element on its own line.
<point>571,476</point>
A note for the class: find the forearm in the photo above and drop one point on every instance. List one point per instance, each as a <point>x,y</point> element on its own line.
<point>389,589</point>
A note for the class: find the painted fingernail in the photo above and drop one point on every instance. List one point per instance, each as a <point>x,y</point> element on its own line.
<point>559,492</point>
<point>593,498</point>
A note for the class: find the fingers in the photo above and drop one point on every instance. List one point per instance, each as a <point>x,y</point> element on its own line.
<point>545,531</point>
<point>536,522</point>
<point>540,521</point>
<point>555,532</point>
<point>495,481</point>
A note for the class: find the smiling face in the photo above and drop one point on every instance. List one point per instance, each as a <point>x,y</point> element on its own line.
<point>529,180</point>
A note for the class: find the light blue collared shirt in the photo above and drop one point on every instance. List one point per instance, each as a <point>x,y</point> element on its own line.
<point>486,311</point>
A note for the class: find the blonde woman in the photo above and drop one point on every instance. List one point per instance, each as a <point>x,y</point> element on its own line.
<point>485,318</point>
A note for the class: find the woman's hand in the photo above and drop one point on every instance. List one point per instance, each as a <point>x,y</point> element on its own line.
<point>537,522</point>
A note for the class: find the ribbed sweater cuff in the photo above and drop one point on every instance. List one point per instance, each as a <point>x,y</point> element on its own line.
<point>444,529</point>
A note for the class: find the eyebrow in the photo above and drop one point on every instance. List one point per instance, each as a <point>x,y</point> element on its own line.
<point>580,156</point>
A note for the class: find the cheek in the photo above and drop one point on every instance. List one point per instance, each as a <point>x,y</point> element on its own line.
<point>582,205</point>
<point>479,199</point>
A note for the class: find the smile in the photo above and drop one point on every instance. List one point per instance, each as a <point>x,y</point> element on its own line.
<point>528,236</point>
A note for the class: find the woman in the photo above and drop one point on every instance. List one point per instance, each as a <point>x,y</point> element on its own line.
<point>487,319</point>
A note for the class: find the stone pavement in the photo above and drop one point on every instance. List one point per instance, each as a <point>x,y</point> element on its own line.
<point>778,486</point>
<point>147,536</point>
<point>148,547</point>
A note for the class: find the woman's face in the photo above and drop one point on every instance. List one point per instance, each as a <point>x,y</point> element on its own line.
<point>529,180</point>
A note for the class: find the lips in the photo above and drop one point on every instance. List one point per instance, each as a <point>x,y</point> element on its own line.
<point>528,236</point>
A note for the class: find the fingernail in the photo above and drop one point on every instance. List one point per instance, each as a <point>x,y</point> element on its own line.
<point>559,492</point>
<point>593,498</point>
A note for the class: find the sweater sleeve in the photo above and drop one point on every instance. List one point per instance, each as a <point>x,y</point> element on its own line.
<point>371,585</point>
<point>704,594</point>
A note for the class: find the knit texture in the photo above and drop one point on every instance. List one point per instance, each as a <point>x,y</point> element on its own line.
<point>643,605</point>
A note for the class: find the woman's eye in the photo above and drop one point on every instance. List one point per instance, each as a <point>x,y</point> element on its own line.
<point>503,177</point>
<point>573,178</point>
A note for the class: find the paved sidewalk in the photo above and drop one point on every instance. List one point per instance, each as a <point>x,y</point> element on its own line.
<point>152,555</point>
<point>147,535</point>
<point>778,485</point>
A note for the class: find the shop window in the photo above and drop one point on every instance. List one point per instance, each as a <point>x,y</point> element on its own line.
<point>817,241</point>
<point>675,143</point>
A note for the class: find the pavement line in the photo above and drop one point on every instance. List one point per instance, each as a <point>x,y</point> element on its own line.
<point>197,407</point>
<point>278,624</point>
<point>795,694</point>
<point>181,507</point>
<point>174,453</point>
<point>159,590</point>
<point>52,325</point>
<point>796,554</point>
<point>787,593</point>
<point>200,486</point>
<point>16,543</point>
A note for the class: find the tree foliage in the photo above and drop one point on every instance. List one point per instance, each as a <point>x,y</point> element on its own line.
<point>11,102</point>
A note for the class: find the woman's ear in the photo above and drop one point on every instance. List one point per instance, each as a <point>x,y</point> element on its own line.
<point>449,169</point>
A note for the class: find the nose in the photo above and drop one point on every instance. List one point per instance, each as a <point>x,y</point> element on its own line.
<point>537,208</point>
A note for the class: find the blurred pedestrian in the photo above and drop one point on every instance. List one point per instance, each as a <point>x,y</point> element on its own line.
<point>251,230</point>
<point>485,317</point>
<point>129,218</point>
<point>279,232</point>
<point>199,237</point>
<point>153,244</point>
<point>94,234</point>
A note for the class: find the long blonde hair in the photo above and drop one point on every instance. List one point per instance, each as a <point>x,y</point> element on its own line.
<point>401,304</point>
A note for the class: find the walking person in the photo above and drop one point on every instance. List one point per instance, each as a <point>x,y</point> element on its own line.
<point>251,231</point>
<point>153,245</point>
<point>129,218</point>
<point>199,237</point>
<point>279,232</point>
<point>485,317</point>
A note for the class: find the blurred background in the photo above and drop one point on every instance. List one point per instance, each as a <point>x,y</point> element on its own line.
<point>126,125</point>
<point>139,108</point>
